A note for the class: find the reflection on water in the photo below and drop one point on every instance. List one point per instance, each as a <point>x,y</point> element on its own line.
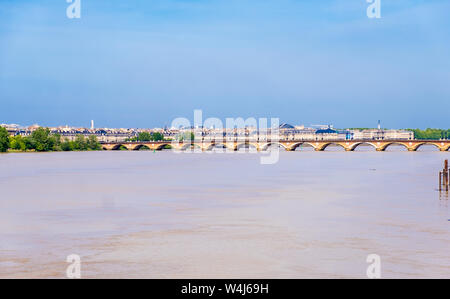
<point>162,215</point>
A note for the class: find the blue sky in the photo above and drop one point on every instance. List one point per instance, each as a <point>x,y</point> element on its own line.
<point>143,63</point>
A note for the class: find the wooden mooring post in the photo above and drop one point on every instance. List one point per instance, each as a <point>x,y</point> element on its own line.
<point>444,177</point>
<point>446,174</point>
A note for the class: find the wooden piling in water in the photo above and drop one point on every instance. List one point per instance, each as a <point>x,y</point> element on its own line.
<point>446,180</point>
<point>444,177</point>
<point>446,174</point>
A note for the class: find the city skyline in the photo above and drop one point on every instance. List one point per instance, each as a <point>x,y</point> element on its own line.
<point>296,124</point>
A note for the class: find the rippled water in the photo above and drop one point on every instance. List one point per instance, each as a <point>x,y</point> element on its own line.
<point>166,215</point>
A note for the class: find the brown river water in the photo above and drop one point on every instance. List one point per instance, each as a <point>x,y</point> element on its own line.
<point>164,215</point>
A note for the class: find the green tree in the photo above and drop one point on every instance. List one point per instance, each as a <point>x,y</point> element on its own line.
<point>144,136</point>
<point>30,144</point>
<point>431,134</point>
<point>157,136</point>
<point>4,140</point>
<point>42,141</point>
<point>80,143</point>
<point>17,143</point>
<point>67,145</point>
<point>93,143</point>
<point>56,140</point>
<point>186,136</point>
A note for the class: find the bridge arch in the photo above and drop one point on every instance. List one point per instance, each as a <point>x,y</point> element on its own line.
<point>246,145</point>
<point>299,144</point>
<point>421,145</point>
<point>220,145</point>
<point>162,146</point>
<point>189,146</point>
<point>356,145</point>
<point>384,147</point>
<point>332,143</point>
<point>266,146</point>
<point>119,147</point>
<point>141,147</point>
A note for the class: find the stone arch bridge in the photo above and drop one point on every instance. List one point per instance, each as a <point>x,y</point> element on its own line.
<point>288,145</point>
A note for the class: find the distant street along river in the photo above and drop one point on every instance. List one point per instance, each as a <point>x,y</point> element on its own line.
<point>164,215</point>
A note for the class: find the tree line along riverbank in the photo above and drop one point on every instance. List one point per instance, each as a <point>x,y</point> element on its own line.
<point>431,134</point>
<point>41,140</point>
